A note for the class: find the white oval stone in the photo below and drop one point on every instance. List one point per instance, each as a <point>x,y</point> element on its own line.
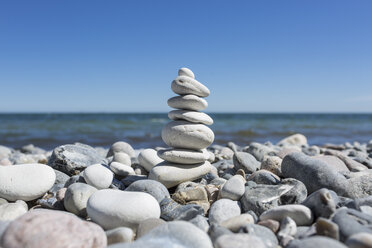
<point>191,116</point>
<point>121,169</point>
<point>186,72</point>
<point>184,156</point>
<point>148,158</point>
<point>122,157</point>
<point>171,174</point>
<point>301,214</point>
<point>111,208</point>
<point>184,85</point>
<point>182,134</point>
<point>25,181</point>
<point>189,102</point>
<point>98,176</point>
<point>11,211</point>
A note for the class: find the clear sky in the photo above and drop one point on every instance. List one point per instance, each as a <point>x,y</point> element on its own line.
<point>121,55</point>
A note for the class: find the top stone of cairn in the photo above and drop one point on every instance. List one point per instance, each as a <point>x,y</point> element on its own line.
<point>186,84</point>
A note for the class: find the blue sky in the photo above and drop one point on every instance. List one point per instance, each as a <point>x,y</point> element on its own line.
<point>121,56</point>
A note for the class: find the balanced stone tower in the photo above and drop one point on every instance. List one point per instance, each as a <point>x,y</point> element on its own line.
<point>187,134</point>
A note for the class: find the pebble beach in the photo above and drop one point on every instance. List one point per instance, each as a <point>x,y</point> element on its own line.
<point>188,192</point>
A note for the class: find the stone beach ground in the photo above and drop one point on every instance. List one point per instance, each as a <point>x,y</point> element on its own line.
<point>191,194</point>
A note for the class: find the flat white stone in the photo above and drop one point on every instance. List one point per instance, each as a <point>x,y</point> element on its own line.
<point>184,85</point>
<point>111,208</point>
<point>171,174</point>
<point>121,169</point>
<point>301,214</point>
<point>189,102</point>
<point>184,156</point>
<point>25,181</point>
<point>98,176</point>
<point>191,116</point>
<point>148,158</point>
<point>186,72</point>
<point>182,134</point>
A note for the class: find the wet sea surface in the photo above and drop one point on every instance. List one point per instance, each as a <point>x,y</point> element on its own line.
<point>143,130</point>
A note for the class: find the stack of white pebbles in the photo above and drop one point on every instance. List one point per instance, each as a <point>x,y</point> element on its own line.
<point>187,133</point>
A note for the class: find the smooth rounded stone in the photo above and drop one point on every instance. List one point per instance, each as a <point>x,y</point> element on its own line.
<point>259,151</point>
<point>288,150</point>
<point>190,116</point>
<point>188,102</point>
<point>240,240</point>
<point>272,164</point>
<point>316,241</point>
<point>360,184</point>
<point>25,181</point>
<point>148,158</point>
<point>359,240</point>
<point>288,229</point>
<point>295,139</point>
<point>186,72</point>
<point>333,162</point>
<point>351,221</point>
<point>11,211</point>
<point>147,225</point>
<point>233,189</point>
<point>322,203</point>
<point>184,85</point>
<point>5,162</point>
<point>261,197</point>
<point>264,177</point>
<point>325,227</point>
<point>175,234</point>
<point>121,170</point>
<point>121,146</point>
<point>222,210</point>
<point>315,174</point>
<point>215,231</point>
<point>273,225</point>
<point>71,159</point>
<point>119,235</point>
<point>170,174</point>
<point>76,198</point>
<point>184,156</point>
<point>122,157</point>
<point>182,134</point>
<point>98,176</point>
<point>152,187</point>
<point>61,178</point>
<point>236,222</point>
<point>5,152</point>
<point>225,153</point>
<point>200,222</point>
<point>311,150</point>
<point>264,233</point>
<point>246,162</point>
<point>51,228</point>
<point>300,214</point>
<point>114,208</point>
<point>172,210</point>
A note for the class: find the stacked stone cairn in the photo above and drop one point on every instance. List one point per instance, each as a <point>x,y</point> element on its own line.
<point>187,134</point>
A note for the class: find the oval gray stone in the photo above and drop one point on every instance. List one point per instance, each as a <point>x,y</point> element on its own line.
<point>76,198</point>
<point>182,134</point>
<point>189,102</point>
<point>191,116</point>
<point>154,188</point>
<point>184,156</point>
<point>184,85</point>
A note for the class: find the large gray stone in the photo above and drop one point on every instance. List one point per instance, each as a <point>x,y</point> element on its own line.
<point>154,188</point>
<point>222,210</point>
<point>71,159</point>
<point>246,162</point>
